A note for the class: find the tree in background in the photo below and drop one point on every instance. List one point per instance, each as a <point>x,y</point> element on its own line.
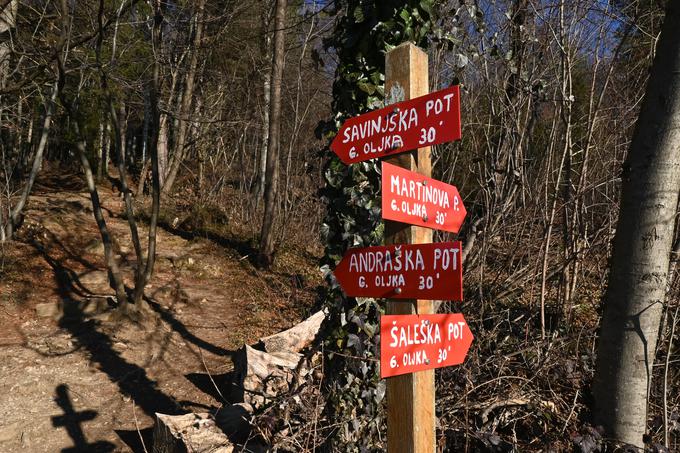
<point>273,160</point>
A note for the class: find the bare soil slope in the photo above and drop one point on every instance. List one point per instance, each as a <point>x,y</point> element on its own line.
<point>71,378</point>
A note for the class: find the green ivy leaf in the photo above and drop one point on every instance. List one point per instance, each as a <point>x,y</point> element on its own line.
<point>366,87</point>
<point>358,14</point>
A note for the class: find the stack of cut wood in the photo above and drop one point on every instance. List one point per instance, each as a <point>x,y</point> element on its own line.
<point>266,370</point>
<point>262,373</point>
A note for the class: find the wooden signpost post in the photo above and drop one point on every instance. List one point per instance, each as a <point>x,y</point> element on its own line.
<point>409,270</point>
<point>410,397</point>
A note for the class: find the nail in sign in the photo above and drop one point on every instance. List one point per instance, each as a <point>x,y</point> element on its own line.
<point>406,271</point>
<point>410,343</point>
<point>417,200</point>
<point>423,121</point>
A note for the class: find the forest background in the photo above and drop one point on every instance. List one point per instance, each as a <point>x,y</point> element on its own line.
<point>170,102</point>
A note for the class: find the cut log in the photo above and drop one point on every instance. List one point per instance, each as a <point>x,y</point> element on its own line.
<point>189,433</point>
<point>261,375</point>
<point>297,337</point>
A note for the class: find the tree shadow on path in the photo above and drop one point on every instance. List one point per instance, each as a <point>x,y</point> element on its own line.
<point>132,380</point>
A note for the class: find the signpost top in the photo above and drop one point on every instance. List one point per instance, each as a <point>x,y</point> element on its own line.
<point>416,123</point>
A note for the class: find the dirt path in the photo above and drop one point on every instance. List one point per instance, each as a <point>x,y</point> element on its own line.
<point>71,379</point>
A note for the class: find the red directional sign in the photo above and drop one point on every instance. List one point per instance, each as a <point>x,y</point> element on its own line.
<point>410,343</point>
<point>406,271</point>
<point>404,126</point>
<point>415,199</point>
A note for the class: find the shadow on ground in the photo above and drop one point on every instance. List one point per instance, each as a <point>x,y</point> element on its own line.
<point>215,385</point>
<point>244,248</point>
<point>71,420</point>
<point>132,380</point>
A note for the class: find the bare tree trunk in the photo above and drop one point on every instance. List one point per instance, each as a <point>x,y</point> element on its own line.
<point>37,161</point>
<point>266,85</point>
<point>8,13</point>
<point>194,132</point>
<point>29,134</point>
<point>119,141</point>
<point>100,150</point>
<point>24,155</point>
<point>145,145</point>
<point>8,16</point>
<point>125,190</point>
<point>153,150</point>
<point>266,91</point>
<point>142,178</point>
<point>7,21</point>
<point>119,124</point>
<point>641,252</point>
<point>187,97</point>
<point>106,148</point>
<point>298,119</point>
<point>163,148</point>
<point>115,277</point>
<point>266,253</point>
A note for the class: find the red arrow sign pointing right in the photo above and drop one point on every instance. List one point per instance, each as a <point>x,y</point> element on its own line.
<point>410,343</point>
<point>415,199</point>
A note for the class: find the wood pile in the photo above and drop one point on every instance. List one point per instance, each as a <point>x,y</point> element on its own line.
<point>263,373</point>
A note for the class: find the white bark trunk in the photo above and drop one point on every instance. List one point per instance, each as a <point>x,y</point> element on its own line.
<point>265,132</point>
<point>163,149</point>
<point>8,16</point>
<point>100,151</point>
<point>641,249</point>
<point>7,21</point>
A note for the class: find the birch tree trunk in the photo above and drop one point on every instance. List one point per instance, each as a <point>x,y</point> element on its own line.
<point>266,253</point>
<point>107,147</point>
<point>266,91</point>
<point>642,245</point>
<point>8,16</point>
<point>145,144</point>
<point>100,150</point>
<point>7,21</point>
<point>162,148</point>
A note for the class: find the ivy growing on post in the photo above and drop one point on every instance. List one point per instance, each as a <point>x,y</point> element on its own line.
<point>365,31</point>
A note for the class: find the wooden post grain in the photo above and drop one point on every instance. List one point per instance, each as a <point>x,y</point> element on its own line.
<point>410,397</point>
